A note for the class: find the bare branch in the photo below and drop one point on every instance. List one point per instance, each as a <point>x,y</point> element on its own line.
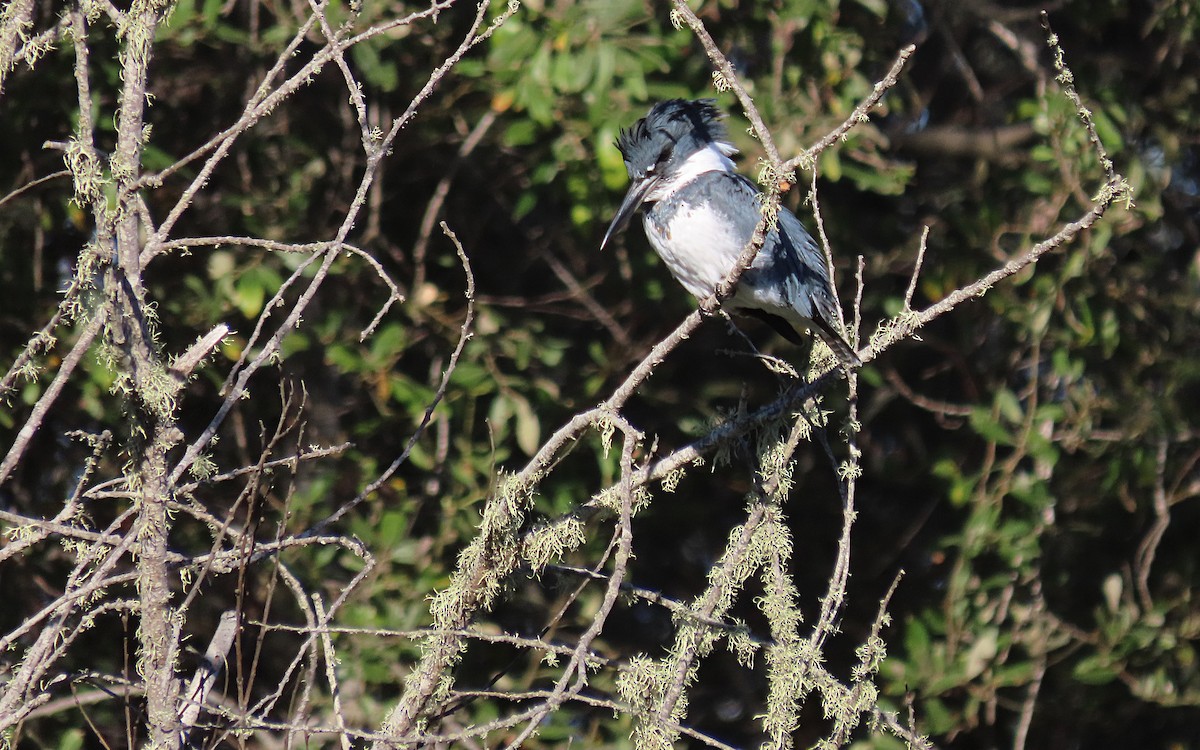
<point>859,115</point>
<point>206,674</point>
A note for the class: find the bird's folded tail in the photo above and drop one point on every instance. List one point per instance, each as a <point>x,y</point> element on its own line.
<point>839,345</point>
<point>841,349</point>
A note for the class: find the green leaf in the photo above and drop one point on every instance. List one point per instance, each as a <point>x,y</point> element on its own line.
<point>1096,669</point>
<point>1009,407</point>
<point>989,427</point>
<point>529,429</point>
<point>249,295</point>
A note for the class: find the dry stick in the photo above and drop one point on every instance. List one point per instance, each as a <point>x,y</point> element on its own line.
<point>260,105</point>
<point>33,184</point>
<point>912,283</point>
<point>827,249</point>
<point>1067,79</point>
<point>39,343</point>
<point>310,646</point>
<point>860,287</point>
<point>835,595</point>
<point>1040,664</point>
<point>291,462</point>
<point>934,406</point>
<point>1112,191</point>
<point>728,76</point>
<point>267,704</point>
<point>279,538</point>
<point>859,115</point>
<point>38,414</point>
<point>26,688</point>
<point>309,649</point>
<point>352,86</point>
<point>521,642</point>
<point>517,641</point>
<point>224,561</point>
<point>206,674</point>
<point>78,700</point>
<point>331,660</point>
<point>909,733</point>
<point>63,637</point>
<point>248,349</point>
<point>240,719</point>
<point>578,292</point>
<point>86,578</point>
<point>34,530</point>
<point>36,47</point>
<point>1148,547</point>
<point>221,529</point>
<point>185,364</point>
<point>678,609</point>
<point>312,248</point>
<point>265,99</point>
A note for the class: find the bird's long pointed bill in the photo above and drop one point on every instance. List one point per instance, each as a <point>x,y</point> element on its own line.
<point>629,206</point>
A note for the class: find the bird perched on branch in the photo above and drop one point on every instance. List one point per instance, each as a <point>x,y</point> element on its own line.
<point>699,215</point>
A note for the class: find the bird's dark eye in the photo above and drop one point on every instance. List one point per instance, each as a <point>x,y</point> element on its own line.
<point>665,156</point>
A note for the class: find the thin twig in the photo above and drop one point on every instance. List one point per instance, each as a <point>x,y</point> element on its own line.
<point>464,335</point>
<point>857,117</point>
<point>912,282</point>
<point>38,414</point>
<point>434,208</point>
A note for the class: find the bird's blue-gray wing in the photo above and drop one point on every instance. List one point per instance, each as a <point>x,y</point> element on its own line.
<point>789,272</point>
<point>808,282</point>
<point>789,266</point>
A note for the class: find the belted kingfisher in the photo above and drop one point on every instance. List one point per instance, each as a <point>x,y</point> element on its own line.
<point>699,216</point>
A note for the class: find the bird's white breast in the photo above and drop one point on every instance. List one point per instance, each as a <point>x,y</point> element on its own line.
<point>698,247</point>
